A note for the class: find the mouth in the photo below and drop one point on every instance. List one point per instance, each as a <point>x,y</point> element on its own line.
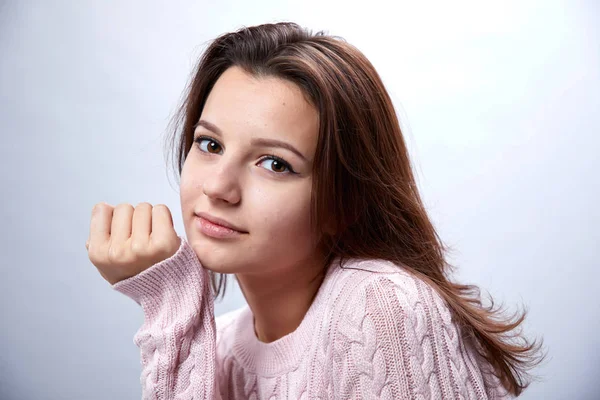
<point>216,227</point>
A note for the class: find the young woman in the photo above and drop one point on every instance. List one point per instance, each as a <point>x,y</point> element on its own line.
<point>295,177</point>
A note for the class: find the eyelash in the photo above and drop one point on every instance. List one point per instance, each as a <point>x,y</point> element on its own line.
<point>273,157</point>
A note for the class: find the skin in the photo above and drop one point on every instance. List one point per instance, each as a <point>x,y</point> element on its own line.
<point>276,261</point>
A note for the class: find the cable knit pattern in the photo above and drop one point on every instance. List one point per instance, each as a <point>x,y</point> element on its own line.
<point>373,331</point>
<point>177,339</point>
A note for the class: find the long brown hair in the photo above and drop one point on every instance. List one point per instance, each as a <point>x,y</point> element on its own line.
<point>365,202</point>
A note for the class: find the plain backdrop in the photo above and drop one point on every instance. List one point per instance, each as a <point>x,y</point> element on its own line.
<point>500,105</point>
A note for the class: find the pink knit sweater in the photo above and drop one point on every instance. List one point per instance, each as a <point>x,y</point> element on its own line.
<point>372,331</point>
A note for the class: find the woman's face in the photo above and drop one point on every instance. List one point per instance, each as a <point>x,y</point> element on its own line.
<point>230,174</point>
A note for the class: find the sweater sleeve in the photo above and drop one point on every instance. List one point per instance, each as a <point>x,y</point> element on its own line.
<point>177,339</point>
<point>394,343</point>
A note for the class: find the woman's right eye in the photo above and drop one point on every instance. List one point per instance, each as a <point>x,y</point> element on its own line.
<point>208,145</point>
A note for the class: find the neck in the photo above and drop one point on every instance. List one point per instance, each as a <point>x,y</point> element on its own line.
<point>280,299</point>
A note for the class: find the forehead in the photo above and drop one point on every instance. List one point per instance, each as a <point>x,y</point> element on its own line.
<point>268,107</point>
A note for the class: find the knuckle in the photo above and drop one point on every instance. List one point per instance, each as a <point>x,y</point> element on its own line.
<point>116,254</point>
<point>170,245</point>
<point>162,246</point>
<point>139,248</point>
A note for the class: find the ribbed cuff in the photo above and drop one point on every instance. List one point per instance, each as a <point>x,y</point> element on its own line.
<point>169,289</point>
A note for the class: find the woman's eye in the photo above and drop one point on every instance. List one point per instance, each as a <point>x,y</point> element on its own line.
<point>273,163</point>
<point>208,145</point>
<point>276,165</point>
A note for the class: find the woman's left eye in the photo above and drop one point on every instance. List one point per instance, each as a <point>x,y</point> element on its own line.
<point>277,165</point>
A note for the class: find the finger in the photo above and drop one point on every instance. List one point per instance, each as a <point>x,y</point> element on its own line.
<point>142,222</point>
<point>121,223</point>
<point>162,221</point>
<point>100,223</point>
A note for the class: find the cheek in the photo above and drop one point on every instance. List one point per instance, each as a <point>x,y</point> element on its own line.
<point>283,216</point>
<point>190,185</point>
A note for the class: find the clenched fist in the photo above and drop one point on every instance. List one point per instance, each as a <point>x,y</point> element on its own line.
<point>125,241</point>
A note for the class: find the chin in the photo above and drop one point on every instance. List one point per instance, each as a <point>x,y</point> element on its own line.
<point>213,258</point>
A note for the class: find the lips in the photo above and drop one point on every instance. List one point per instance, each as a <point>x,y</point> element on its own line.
<point>220,221</point>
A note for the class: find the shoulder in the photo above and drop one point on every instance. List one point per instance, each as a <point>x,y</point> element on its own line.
<point>225,325</point>
<point>363,277</point>
<point>395,332</point>
<point>224,320</point>
<point>386,292</point>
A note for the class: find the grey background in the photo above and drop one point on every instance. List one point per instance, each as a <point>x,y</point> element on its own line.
<point>499,105</point>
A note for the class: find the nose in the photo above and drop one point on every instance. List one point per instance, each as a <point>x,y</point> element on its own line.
<point>221,183</point>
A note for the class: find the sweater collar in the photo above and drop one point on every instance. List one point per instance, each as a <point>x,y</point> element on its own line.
<point>284,354</point>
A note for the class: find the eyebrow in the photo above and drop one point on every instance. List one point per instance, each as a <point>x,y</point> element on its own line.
<point>255,142</point>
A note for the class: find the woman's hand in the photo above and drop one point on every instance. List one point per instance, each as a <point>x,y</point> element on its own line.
<point>125,241</point>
